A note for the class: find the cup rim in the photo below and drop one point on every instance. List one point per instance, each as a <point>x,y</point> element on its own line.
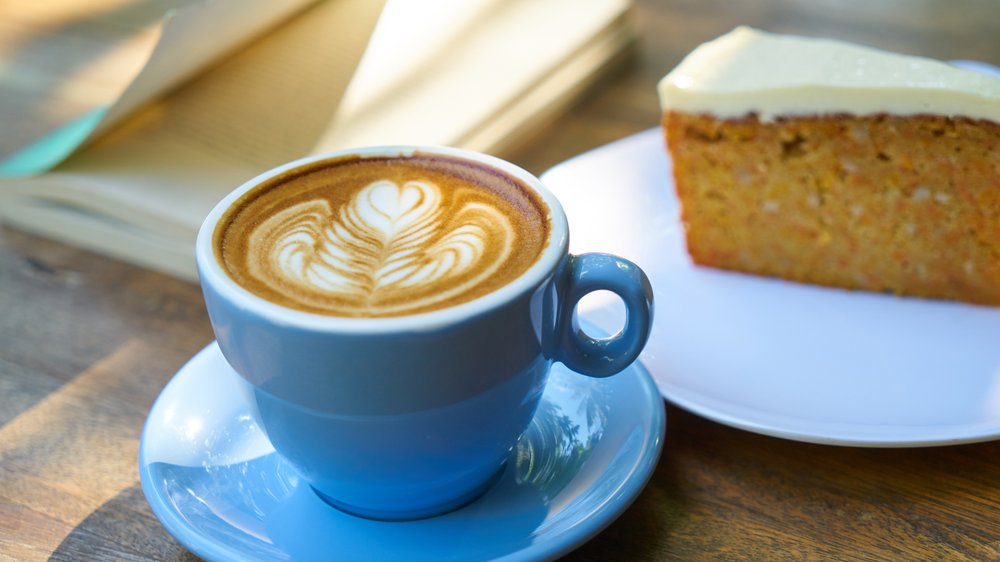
<point>210,271</point>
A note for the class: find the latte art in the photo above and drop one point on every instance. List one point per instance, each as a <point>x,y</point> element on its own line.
<point>382,235</point>
<point>388,242</point>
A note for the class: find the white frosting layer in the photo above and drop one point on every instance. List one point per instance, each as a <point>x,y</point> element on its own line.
<point>747,71</point>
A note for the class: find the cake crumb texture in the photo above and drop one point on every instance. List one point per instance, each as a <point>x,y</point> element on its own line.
<point>902,204</point>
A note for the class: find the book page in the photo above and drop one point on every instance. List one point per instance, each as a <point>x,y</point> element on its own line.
<point>476,74</point>
<point>171,161</point>
<point>63,58</point>
<point>81,68</point>
<point>409,37</point>
<point>194,37</point>
<point>492,69</point>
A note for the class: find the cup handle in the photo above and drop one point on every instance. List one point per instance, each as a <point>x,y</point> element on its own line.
<point>602,357</point>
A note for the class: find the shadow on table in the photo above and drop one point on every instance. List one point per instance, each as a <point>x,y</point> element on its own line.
<point>122,529</point>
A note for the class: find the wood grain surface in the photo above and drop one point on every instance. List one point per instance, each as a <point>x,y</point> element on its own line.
<point>87,343</point>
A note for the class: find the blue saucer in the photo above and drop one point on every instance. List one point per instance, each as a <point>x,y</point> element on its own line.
<point>214,481</point>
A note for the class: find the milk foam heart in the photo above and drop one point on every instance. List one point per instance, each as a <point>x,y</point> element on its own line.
<point>382,236</point>
<point>389,239</point>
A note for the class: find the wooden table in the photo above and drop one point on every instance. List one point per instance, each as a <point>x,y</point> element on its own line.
<point>86,344</point>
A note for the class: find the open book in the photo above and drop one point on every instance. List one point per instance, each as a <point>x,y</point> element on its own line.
<point>225,89</point>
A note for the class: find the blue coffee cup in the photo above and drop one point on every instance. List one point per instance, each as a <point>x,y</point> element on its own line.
<point>411,416</point>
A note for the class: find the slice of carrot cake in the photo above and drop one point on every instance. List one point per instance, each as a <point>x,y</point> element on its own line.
<point>824,162</point>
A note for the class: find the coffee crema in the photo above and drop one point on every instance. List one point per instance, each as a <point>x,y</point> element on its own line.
<point>382,235</point>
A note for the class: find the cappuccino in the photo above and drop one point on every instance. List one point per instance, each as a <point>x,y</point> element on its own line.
<point>382,236</point>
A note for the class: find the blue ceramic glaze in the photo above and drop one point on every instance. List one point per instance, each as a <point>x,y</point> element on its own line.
<point>411,416</point>
<point>602,357</point>
<point>213,479</point>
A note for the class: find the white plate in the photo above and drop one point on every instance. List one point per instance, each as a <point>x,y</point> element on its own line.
<point>779,358</point>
